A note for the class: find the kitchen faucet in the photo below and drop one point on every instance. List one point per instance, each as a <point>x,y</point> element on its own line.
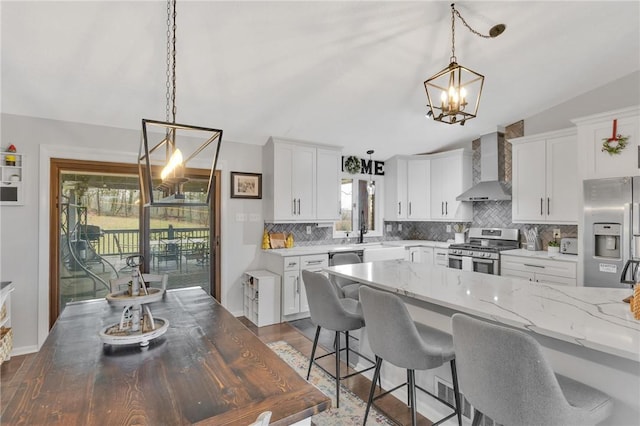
<point>363,227</point>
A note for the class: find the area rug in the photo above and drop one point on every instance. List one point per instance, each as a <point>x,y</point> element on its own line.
<point>351,411</point>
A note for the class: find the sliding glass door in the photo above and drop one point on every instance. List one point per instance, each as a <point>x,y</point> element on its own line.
<point>97,224</point>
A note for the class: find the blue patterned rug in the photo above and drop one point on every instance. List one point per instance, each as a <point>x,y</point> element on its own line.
<point>351,409</point>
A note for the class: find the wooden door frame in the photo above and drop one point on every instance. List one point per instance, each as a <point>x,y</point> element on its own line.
<point>58,165</point>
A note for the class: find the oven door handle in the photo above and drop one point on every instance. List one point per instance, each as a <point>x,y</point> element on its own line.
<point>455,257</point>
<point>482,260</point>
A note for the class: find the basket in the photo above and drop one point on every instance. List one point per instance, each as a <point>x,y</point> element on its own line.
<point>6,343</point>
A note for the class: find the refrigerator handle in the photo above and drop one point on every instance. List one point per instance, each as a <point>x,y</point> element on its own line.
<point>635,227</point>
<point>627,232</point>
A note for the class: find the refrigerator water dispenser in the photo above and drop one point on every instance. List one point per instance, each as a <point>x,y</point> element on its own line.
<point>607,240</point>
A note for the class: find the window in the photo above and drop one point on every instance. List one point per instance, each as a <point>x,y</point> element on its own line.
<point>358,207</point>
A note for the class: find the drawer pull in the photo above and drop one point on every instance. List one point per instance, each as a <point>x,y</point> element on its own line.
<point>534,266</point>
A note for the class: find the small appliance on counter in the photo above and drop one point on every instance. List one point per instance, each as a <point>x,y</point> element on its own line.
<point>569,245</point>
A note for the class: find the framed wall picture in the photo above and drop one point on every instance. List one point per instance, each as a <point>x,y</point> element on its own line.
<point>246,185</point>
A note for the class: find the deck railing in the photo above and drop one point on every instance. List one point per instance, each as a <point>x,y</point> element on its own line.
<point>124,242</point>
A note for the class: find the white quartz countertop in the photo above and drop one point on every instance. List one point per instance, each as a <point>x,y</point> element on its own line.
<point>320,249</point>
<point>592,317</point>
<point>543,254</point>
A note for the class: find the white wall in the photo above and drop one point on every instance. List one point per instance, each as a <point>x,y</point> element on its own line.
<point>621,93</point>
<point>24,229</point>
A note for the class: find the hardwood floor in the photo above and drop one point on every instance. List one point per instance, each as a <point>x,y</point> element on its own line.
<point>12,372</point>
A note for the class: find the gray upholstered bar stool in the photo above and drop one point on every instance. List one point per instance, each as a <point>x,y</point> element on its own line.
<point>505,375</point>
<point>347,288</point>
<point>329,311</point>
<point>394,337</point>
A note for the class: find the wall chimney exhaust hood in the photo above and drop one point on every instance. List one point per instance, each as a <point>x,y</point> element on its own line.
<point>490,187</point>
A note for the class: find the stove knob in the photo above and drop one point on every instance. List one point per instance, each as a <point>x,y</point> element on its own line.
<point>487,254</point>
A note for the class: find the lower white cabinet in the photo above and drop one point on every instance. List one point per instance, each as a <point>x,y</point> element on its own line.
<point>261,297</point>
<point>540,270</point>
<point>294,303</point>
<point>441,256</point>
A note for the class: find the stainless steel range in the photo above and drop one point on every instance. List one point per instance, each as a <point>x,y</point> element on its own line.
<point>482,252</point>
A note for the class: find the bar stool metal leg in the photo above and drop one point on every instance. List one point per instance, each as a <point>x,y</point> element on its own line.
<point>376,376</point>
<point>313,351</point>
<point>456,390</point>
<point>337,369</point>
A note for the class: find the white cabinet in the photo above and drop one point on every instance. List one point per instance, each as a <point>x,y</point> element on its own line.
<point>426,254</point>
<point>420,254</point>
<point>294,303</point>
<point>407,188</point>
<point>261,297</point>
<point>395,194</point>
<point>328,167</point>
<point>441,256</point>
<point>418,188</point>
<point>545,178</point>
<point>413,255</point>
<point>538,269</point>
<point>592,130</point>
<point>11,179</point>
<point>425,187</point>
<point>291,175</point>
<point>451,175</point>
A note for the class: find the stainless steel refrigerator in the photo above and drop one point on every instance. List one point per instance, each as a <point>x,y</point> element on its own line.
<point>611,220</point>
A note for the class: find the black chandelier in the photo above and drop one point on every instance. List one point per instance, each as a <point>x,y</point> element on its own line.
<point>454,93</point>
<point>161,164</point>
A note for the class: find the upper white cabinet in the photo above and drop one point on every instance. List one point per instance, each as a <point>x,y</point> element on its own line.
<point>545,178</point>
<point>395,194</point>
<point>290,180</point>
<point>328,167</point>
<point>418,188</point>
<point>407,187</point>
<point>425,187</point>
<point>594,129</point>
<point>451,175</point>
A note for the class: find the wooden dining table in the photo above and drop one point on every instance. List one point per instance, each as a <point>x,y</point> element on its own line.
<point>207,369</point>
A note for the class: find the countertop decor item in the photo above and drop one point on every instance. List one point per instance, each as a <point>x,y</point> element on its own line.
<point>266,244</point>
<point>553,247</point>
<point>277,240</point>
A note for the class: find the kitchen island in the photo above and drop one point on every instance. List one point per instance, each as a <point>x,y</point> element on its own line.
<point>589,334</point>
<point>207,369</point>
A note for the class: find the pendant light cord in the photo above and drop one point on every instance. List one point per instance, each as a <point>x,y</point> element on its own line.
<point>170,110</point>
<point>454,13</point>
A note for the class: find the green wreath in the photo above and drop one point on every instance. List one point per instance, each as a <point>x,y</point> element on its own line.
<point>352,164</point>
<point>614,146</point>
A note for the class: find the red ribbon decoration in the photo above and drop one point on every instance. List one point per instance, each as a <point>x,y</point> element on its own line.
<point>615,131</point>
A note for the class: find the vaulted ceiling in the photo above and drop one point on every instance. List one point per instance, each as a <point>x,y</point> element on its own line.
<point>342,73</point>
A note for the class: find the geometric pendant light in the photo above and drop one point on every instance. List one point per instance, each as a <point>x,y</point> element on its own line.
<point>453,94</point>
<point>161,164</point>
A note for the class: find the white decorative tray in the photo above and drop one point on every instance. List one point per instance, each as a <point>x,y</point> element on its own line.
<point>112,334</point>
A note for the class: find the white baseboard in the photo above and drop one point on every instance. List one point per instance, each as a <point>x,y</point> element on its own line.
<point>23,350</point>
